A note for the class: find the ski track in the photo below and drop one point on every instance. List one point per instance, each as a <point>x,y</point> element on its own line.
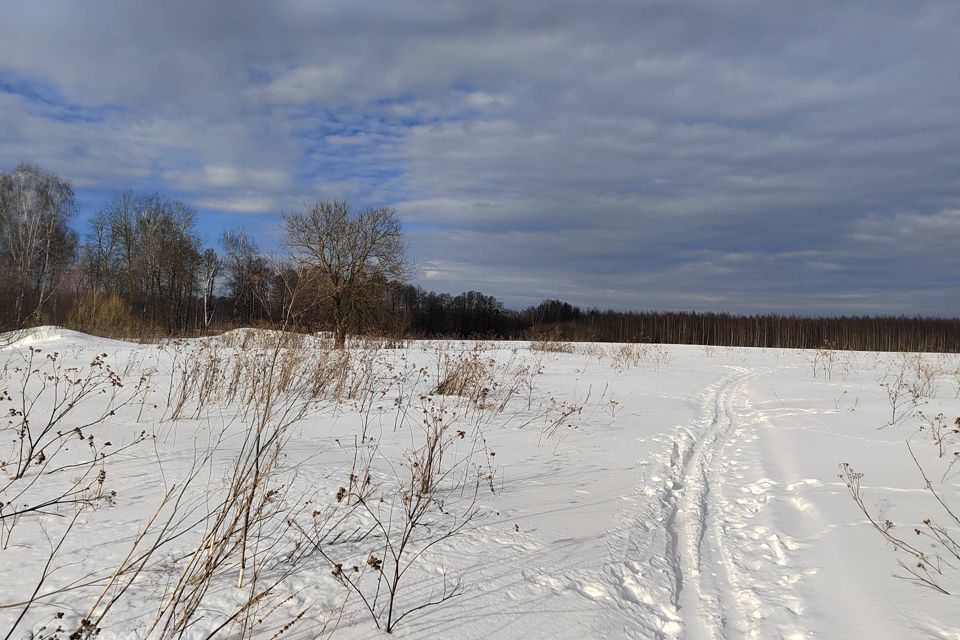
<point>684,561</point>
<point>719,601</point>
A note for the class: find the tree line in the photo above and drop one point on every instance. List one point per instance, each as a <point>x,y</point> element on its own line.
<point>140,268</point>
<point>472,314</point>
<point>860,333</point>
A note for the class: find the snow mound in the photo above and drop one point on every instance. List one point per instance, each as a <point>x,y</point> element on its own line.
<point>48,334</point>
<point>248,336</point>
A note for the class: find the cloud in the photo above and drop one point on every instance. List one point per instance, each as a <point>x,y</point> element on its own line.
<point>241,204</point>
<point>743,155</point>
<point>306,84</point>
<point>912,231</point>
<point>229,177</point>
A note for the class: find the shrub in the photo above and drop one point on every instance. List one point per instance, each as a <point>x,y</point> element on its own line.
<point>463,376</point>
<point>104,314</point>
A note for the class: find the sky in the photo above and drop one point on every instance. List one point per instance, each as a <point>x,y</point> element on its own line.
<point>727,155</point>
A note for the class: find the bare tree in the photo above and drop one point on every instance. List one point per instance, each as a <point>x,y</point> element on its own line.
<point>36,244</point>
<point>145,250</point>
<point>248,274</point>
<point>353,257</point>
<point>169,255</point>
<point>98,255</point>
<point>210,266</point>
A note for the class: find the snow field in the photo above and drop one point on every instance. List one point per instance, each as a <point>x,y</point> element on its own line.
<point>617,491</point>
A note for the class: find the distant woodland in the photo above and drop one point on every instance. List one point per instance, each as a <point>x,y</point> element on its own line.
<point>139,269</point>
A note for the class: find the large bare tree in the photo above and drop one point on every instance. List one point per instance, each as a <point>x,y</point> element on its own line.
<point>350,257</point>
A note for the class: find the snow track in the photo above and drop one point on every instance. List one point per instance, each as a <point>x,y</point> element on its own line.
<point>733,564</point>
<point>672,570</point>
<point>689,561</point>
<point>711,584</point>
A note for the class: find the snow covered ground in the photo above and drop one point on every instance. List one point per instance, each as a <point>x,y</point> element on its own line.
<point>608,492</point>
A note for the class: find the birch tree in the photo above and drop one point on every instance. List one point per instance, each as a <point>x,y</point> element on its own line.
<point>36,244</point>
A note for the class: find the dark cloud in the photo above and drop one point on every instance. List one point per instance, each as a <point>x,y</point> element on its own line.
<point>741,155</point>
